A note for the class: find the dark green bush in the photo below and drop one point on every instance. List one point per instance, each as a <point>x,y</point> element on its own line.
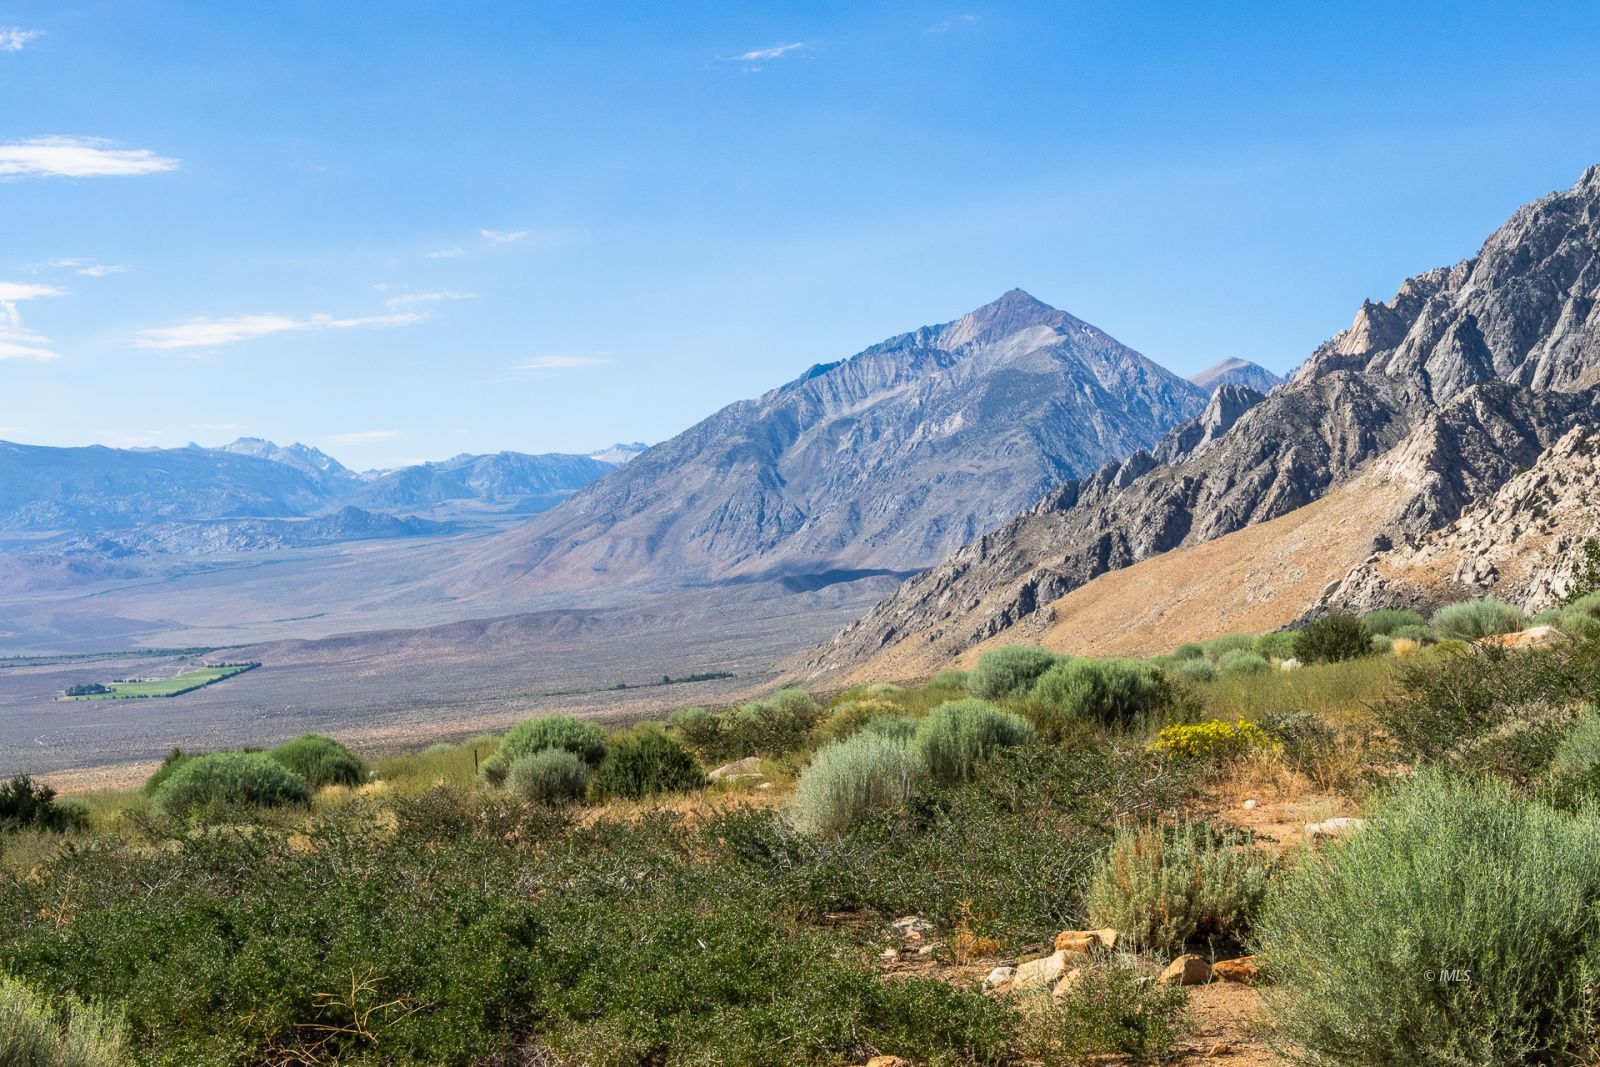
<point>549,776</point>
<point>1458,928</point>
<point>773,726</point>
<point>29,805</point>
<point>1474,619</point>
<point>1010,671</point>
<point>960,735</point>
<point>320,761</point>
<point>1388,620</point>
<point>1102,692</point>
<point>642,763</point>
<point>1332,639</point>
<point>230,778</point>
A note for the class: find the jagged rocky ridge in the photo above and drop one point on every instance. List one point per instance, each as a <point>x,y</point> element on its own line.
<point>882,462</point>
<point>1488,359</point>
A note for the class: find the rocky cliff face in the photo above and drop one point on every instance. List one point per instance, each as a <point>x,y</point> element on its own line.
<point>1460,366</point>
<point>882,462</point>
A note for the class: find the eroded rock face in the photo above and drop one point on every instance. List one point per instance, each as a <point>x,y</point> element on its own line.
<point>1475,369</point>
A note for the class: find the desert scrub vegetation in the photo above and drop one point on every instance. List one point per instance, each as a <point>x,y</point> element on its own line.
<point>1107,693</point>
<point>1009,671</point>
<point>583,739</point>
<point>958,737</point>
<point>320,761</point>
<point>1474,619</point>
<point>29,805</point>
<point>1332,639</point>
<point>1169,886</point>
<point>41,1031</point>
<point>773,726</point>
<point>848,779</point>
<point>549,776</point>
<point>229,779</point>
<point>1458,928</point>
<point>644,762</point>
<point>1110,1011</point>
<point>1212,742</point>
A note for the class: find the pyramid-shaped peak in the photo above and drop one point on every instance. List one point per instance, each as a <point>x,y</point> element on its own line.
<point>1014,311</point>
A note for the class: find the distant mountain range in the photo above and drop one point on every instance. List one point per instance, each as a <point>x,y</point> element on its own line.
<point>254,494</point>
<point>1236,371</point>
<point>1424,410</point>
<point>880,463</point>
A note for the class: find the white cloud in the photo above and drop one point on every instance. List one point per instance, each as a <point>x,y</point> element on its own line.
<point>210,333</point>
<point>446,253</point>
<point>761,55</point>
<point>503,237</point>
<point>100,270</point>
<point>362,437</point>
<point>949,24</point>
<point>77,157</point>
<point>16,340</point>
<point>538,363</point>
<point>15,38</point>
<point>413,299</point>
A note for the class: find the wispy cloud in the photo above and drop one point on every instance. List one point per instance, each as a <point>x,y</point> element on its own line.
<point>763,55</point>
<point>541,363</point>
<point>362,437</point>
<point>213,333</point>
<point>77,157</point>
<point>16,340</point>
<point>405,300</point>
<point>503,237</point>
<point>446,253</point>
<point>15,38</point>
<point>952,23</point>
<point>89,268</point>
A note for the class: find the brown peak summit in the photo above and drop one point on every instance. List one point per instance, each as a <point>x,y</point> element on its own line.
<point>1013,312</point>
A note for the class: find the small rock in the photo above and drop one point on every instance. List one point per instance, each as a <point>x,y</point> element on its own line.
<point>999,979</point>
<point>1041,973</point>
<point>911,924</point>
<point>764,785</point>
<point>1290,664</point>
<point>1086,942</point>
<point>1187,970</point>
<point>891,953</point>
<point>1221,1048</point>
<point>1243,970</point>
<point>888,1061</point>
<point>748,765</point>
<point>1252,804</point>
<point>925,950</point>
<point>1316,831</point>
<point>1068,983</point>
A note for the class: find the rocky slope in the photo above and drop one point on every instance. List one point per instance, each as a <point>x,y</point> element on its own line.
<point>881,462</point>
<point>1236,371</point>
<point>1478,368</point>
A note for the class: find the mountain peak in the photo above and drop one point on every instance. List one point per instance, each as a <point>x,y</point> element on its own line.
<point>1013,311</point>
<point>1237,371</point>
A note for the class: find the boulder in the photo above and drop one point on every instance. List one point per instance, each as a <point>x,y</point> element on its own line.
<point>1244,970</point>
<point>746,766</point>
<point>1330,828</point>
<point>1069,981</point>
<point>1290,664</point>
<point>1041,973</point>
<point>1086,942</point>
<point>911,924</point>
<point>999,979</point>
<point>1533,637</point>
<point>1186,970</point>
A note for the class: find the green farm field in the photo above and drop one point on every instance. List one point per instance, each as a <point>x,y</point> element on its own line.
<point>166,687</point>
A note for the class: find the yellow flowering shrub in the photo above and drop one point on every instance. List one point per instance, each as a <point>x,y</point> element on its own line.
<point>1212,741</point>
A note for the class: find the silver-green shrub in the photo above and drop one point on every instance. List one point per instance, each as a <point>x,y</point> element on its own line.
<point>1472,619</point>
<point>958,735</point>
<point>1009,671</point>
<point>36,1031</point>
<point>1166,887</point>
<point>553,776</point>
<point>230,778</point>
<point>1241,661</point>
<point>1459,927</point>
<point>1101,692</point>
<point>850,778</point>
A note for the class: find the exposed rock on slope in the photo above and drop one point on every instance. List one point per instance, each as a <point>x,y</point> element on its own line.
<point>1522,312</point>
<point>1236,371</point>
<point>511,480</point>
<point>1520,543</point>
<point>882,462</point>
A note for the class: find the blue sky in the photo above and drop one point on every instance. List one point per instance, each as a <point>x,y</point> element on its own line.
<point>401,231</point>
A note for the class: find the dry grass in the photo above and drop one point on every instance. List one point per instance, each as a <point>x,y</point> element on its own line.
<point>1341,693</point>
